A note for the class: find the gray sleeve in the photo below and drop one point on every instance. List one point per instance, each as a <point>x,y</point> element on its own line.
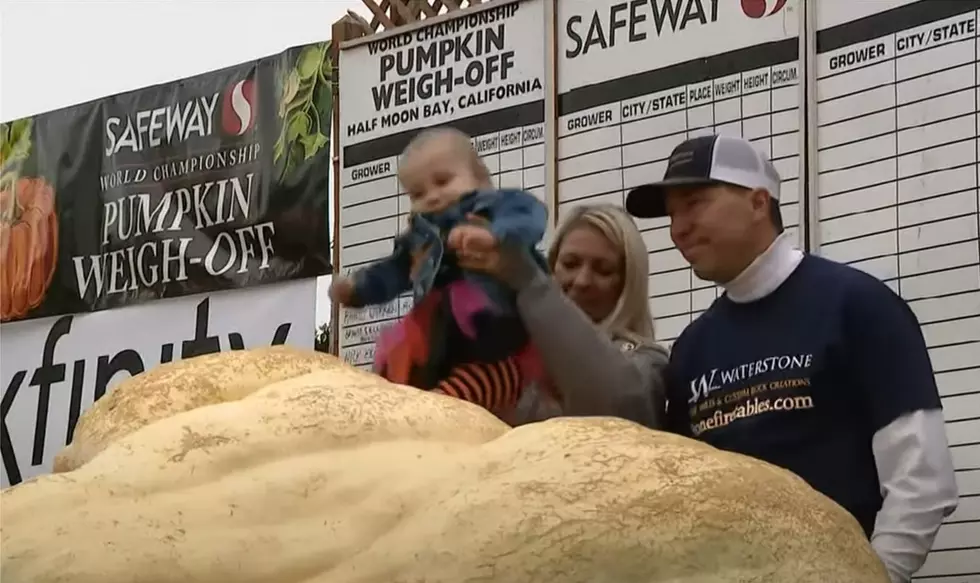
<point>534,405</point>
<point>594,375</point>
<point>918,483</point>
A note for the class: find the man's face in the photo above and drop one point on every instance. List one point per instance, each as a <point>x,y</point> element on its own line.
<point>716,227</point>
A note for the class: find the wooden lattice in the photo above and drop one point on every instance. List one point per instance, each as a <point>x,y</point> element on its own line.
<point>389,14</point>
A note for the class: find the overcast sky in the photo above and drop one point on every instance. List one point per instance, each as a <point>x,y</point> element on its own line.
<point>55,53</point>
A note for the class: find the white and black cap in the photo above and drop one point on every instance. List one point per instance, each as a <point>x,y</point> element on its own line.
<point>707,160</point>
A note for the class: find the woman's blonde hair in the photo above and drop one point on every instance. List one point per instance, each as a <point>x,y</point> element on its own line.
<point>630,319</point>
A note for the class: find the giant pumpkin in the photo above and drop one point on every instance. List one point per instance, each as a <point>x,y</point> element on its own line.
<point>173,388</point>
<point>28,246</point>
<point>336,476</point>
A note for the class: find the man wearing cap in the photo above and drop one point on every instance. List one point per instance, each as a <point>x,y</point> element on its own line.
<point>803,362</point>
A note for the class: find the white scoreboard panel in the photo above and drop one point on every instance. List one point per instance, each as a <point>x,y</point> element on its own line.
<point>482,71</point>
<point>897,142</point>
<point>895,189</point>
<point>646,78</point>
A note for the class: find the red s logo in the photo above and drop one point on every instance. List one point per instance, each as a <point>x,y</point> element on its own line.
<point>238,108</point>
<point>762,8</point>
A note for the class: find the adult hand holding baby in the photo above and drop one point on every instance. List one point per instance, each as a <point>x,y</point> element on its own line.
<point>475,246</point>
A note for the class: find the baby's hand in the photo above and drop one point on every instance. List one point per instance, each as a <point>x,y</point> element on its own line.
<point>467,239</point>
<point>342,290</point>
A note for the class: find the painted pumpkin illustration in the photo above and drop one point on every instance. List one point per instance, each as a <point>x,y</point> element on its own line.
<point>28,245</point>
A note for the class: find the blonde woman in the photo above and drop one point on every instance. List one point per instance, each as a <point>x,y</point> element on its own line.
<point>589,318</point>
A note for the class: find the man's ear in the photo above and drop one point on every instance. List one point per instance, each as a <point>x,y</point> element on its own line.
<point>760,202</point>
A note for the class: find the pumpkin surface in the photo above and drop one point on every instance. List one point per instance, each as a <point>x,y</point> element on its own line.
<point>28,246</point>
<point>180,386</point>
<point>336,476</point>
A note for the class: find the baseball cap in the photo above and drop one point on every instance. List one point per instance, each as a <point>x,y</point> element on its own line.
<point>704,161</point>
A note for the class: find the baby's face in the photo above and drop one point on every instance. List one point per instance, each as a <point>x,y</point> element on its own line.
<point>436,176</point>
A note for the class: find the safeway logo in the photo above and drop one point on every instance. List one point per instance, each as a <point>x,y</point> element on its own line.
<point>238,108</point>
<point>762,8</point>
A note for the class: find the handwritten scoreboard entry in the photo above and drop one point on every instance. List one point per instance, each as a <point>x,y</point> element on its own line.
<point>897,139</point>
<point>635,80</point>
<point>483,71</point>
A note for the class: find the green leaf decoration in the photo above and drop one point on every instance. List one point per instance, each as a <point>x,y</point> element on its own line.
<point>305,107</point>
<point>297,127</point>
<point>309,145</point>
<point>279,147</point>
<point>289,91</point>
<point>15,147</point>
<point>312,144</point>
<point>309,61</point>
<point>321,141</point>
<point>303,94</point>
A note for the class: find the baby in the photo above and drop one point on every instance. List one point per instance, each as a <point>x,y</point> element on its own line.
<point>463,336</point>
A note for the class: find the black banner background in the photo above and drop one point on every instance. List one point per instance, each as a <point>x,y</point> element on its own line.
<point>214,182</point>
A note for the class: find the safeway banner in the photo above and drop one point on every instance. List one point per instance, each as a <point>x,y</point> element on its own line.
<point>214,182</point>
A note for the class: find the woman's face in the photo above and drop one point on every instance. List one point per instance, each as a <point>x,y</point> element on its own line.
<point>589,269</point>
